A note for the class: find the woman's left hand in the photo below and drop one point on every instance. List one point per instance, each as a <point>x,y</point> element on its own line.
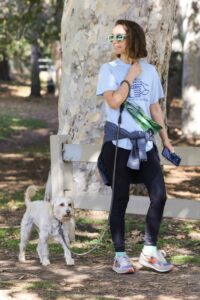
<point>169,146</point>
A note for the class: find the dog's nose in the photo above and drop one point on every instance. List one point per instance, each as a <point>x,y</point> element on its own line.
<point>68,212</point>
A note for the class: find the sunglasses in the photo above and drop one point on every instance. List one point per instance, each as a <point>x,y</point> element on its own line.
<point>117,37</point>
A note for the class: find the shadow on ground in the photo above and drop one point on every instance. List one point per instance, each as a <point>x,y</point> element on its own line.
<point>92,278</point>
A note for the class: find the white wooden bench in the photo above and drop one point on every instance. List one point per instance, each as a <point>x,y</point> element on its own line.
<point>63,155</point>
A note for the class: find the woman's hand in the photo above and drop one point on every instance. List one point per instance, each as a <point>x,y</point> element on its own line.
<point>169,146</point>
<point>134,71</point>
<point>116,98</point>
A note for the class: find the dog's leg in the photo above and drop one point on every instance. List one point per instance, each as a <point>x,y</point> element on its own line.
<point>67,253</point>
<point>42,248</point>
<point>26,227</point>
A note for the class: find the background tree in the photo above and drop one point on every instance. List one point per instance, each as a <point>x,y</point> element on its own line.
<point>8,36</point>
<point>191,74</point>
<point>35,22</point>
<point>85,27</point>
<point>174,90</point>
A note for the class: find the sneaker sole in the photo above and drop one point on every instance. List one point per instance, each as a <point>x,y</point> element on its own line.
<point>148,265</point>
<point>129,271</point>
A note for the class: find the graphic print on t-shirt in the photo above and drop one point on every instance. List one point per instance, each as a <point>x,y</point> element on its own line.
<point>139,89</point>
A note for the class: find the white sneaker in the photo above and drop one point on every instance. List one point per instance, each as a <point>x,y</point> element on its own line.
<point>123,265</point>
<point>156,261</point>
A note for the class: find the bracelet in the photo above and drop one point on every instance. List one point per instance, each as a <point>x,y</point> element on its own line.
<point>129,86</point>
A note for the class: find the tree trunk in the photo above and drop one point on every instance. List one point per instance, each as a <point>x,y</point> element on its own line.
<point>56,55</point>
<point>35,72</point>
<point>191,74</point>
<point>85,27</point>
<point>4,69</point>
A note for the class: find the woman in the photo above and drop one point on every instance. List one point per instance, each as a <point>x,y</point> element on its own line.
<point>130,78</point>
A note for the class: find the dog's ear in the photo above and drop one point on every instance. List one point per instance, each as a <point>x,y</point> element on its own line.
<point>52,202</point>
<point>70,196</point>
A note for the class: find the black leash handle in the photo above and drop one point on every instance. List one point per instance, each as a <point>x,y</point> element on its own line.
<point>120,115</point>
<point>115,158</point>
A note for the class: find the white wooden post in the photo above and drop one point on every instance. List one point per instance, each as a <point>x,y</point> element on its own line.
<point>61,172</point>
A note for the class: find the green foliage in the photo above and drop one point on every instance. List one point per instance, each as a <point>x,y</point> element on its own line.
<point>25,22</point>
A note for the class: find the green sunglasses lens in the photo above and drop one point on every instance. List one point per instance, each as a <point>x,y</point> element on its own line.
<point>111,38</point>
<point>117,37</point>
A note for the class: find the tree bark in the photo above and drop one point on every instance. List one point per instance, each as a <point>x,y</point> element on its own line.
<point>4,69</point>
<point>191,74</point>
<point>35,72</point>
<point>56,55</point>
<point>84,30</point>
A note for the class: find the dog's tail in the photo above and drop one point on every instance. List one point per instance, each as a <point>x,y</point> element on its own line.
<point>30,192</point>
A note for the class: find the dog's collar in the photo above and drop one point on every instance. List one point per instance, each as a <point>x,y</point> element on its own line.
<point>59,223</point>
<point>60,231</point>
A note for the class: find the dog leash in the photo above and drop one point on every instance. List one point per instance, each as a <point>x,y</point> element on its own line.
<point>60,231</point>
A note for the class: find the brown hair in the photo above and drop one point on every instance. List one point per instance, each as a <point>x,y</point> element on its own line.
<point>136,42</point>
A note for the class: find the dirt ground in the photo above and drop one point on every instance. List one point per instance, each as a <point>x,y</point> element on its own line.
<point>91,277</point>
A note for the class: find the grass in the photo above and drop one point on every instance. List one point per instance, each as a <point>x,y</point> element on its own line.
<point>47,285</point>
<point>9,233</point>
<point>185,259</point>
<point>10,124</point>
<point>37,150</point>
<point>16,198</point>
<point>52,292</point>
<point>46,289</point>
<point>89,230</point>
<point>5,285</point>
<point>6,196</point>
<point>174,234</point>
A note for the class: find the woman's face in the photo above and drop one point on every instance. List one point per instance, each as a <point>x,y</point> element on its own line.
<point>119,46</point>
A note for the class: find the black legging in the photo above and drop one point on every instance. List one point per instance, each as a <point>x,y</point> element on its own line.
<point>151,175</point>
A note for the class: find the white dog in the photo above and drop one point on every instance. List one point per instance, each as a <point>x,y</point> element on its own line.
<point>53,219</point>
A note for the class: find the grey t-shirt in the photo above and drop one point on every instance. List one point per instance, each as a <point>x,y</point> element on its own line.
<point>146,89</point>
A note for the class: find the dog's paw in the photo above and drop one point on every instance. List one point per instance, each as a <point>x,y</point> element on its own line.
<point>45,262</point>
<point>70,261</point>
<point>21,258</point>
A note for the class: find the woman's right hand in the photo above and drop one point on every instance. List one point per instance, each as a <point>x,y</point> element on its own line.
<point>116,98</point>
<point>134,71</point>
